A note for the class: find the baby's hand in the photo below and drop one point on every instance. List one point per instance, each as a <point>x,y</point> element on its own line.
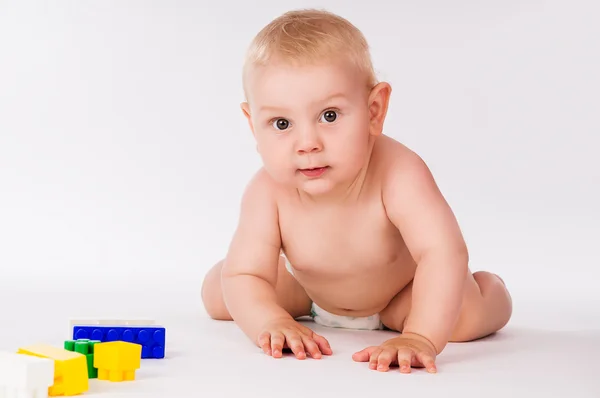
<point>288,333</point>
<point>404,350</point>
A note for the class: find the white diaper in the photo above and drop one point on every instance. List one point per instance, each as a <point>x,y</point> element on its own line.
<point>324,318</point>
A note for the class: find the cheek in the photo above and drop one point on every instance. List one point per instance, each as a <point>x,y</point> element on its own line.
<point>271,148</point>
<point>353,140</point>
<point>274,153</point>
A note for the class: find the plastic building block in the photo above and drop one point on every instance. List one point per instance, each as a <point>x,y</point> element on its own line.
<point>151,338</point>
<point>117,360</point>
<point>84,347</point>
<point>113,322</point>
<point>70,369</point>
<point>25,376</point>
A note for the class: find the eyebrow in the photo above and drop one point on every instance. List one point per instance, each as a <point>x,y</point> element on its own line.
<point>277,108</point>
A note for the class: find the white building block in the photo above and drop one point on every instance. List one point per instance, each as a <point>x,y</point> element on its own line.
<point>25,376</point>
<point>112,322</point>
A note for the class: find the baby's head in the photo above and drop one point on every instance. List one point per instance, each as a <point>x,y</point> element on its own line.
<point>313,100</point>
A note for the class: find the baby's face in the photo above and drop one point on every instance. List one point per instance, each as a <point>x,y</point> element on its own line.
<point>311,123</point>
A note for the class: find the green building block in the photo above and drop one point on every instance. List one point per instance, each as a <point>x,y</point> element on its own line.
<point>85,347</point>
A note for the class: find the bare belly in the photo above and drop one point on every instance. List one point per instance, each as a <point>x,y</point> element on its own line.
<point>352,289</point>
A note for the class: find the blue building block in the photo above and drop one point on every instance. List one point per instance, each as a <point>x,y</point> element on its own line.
<point>151,338</point>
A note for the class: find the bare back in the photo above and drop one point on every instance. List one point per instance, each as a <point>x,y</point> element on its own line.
<point>350,259</point>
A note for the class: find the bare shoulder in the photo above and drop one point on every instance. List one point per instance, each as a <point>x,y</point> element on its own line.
<point>414,203</point>
<point>259,205</point>
<point>403,169</point>
<point>255,245</point>
<point>261,184</point>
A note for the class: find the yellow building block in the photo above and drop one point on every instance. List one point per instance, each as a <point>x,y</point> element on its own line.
<point>117,360</point>
<point>70,369</point>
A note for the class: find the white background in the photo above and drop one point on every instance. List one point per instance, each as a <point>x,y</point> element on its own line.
<point>123,148</point>
<point>123,151</point>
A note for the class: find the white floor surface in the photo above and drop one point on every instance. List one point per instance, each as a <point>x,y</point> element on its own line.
<point>547,350</point>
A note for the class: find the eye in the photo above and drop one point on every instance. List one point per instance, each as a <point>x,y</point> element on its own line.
<point>330,116</point>
<point>281,124</point>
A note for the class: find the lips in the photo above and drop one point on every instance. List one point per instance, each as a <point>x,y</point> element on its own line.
<point>314,172</point>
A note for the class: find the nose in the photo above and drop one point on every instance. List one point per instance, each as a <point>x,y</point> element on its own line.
<point>309,141</point>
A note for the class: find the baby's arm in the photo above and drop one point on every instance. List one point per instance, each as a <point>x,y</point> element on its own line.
<point>250,268</point>
<point>417,208</point>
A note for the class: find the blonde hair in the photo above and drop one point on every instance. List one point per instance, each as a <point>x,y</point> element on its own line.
<point>310,36</point>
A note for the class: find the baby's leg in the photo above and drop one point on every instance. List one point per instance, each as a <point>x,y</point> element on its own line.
<point>486,308</point>
<point>291,296</point>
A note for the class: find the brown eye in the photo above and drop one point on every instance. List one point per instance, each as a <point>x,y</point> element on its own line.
<point>329,116</point>
<point>281,124</point>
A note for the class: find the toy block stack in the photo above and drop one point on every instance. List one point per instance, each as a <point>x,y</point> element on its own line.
<point>109,350</point>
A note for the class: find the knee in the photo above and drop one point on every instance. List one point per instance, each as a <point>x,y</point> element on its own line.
<point>494,290</point>
<point>505,307</point>
<point>485,312</point>
<point>212,296</point>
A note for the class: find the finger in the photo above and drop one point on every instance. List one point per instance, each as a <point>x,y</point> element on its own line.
<point>311,347</point>
<point>277,341</point>
<point>405,356</point>
<point>428,361</point>
<point>385,359</point>
<point>364,355</point>
<point>264,341</point>
<point>374,357</point>
<point>295,343</point>
<point>323,344</point>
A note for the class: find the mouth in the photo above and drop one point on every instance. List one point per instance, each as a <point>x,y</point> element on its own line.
<point>314,171</point>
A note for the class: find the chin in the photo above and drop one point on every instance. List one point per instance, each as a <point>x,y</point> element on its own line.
<point>317,187</point>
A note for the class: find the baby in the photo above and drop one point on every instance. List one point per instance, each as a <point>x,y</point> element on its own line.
<point>342,223</point>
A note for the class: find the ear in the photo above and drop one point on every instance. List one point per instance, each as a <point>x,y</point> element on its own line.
<point>246,111</point>
<point>379,99</point>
